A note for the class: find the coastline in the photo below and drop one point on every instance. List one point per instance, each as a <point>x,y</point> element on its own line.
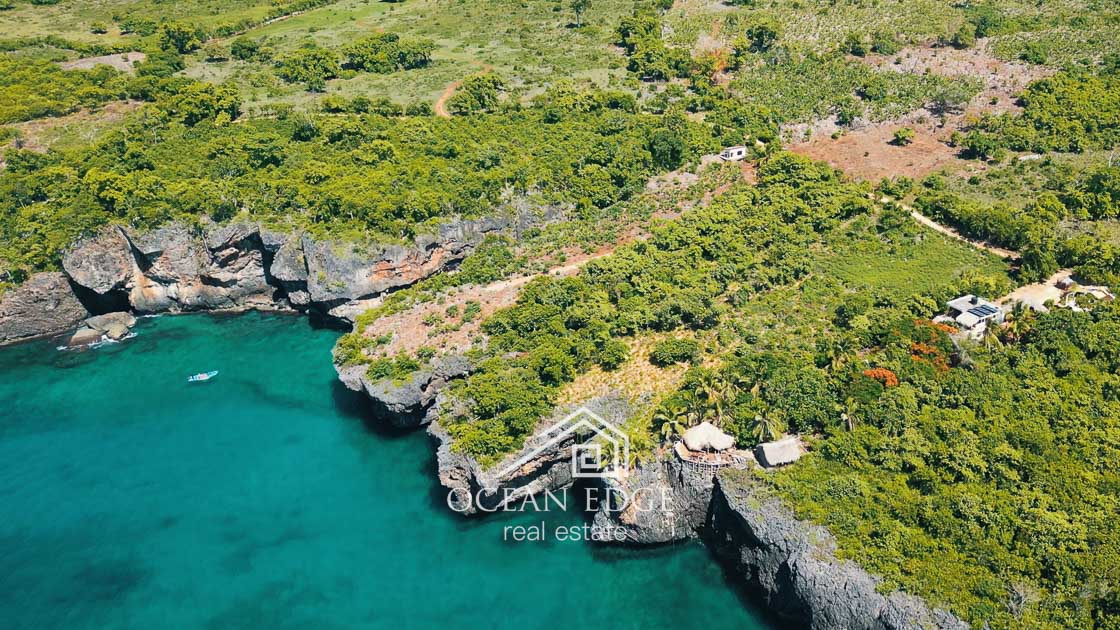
<point>251,269</point>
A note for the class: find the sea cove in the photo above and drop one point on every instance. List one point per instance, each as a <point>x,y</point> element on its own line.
<point>130,499</point>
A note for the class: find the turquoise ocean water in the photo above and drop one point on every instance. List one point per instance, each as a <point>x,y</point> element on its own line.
<point>130,499</point>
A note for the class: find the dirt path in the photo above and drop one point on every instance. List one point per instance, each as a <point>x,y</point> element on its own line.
<point>440,107</point>
<point>440,324</point>
<point>948,231</point>
<point>268,22</point>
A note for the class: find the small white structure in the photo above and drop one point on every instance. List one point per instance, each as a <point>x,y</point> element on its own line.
<point>706,437</point>
<point>779,453</point>
<point>971,312</point>
<point>734,154</point>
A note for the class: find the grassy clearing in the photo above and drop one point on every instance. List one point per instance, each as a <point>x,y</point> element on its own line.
<point>634,378</point>
<point>529,44</point>
<point>75,19</point>
<point>794,318</point>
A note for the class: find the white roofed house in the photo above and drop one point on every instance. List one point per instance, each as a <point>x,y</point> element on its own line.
<point>734,154</point>
<point>974,313</point>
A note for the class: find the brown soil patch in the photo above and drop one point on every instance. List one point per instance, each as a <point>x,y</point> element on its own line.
<point>428,324</point>
<point>38,135</point>
<point>866,152</point>
<point>122,61</point>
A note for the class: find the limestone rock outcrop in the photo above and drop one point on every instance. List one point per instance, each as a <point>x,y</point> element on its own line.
<point>794,565</point>
<point>181,268</point>
<point>405,403</point>
<point>42,305</point>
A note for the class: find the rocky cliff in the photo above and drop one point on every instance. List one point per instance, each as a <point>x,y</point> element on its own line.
<point>43,305</point>
<point>404,404</point>
<point>667,502</point>
<point>537,467</point>
<point>179,268</point>
<point>794,565</point>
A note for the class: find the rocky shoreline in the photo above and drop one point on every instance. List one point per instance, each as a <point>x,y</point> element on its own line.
<point>793,564</point>
<point>179,268</point>
<point>119,273</point>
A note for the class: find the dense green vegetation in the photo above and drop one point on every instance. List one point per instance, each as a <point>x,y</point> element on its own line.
<point>974,473</point>
<point>988,486</point>
<point>368,176</point>
<point>694,274</point>
<point>32,89</point>
<point>1033,229</point>
<point>1067,113</point>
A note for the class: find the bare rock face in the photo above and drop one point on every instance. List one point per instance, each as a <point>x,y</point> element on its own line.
<point>288,263</point>
<point>179,268</point>
<point>102,264</point>
<point>43,305</point>
<point>341,272</point>
<point>662,501</point>
<point>182,271</point>
<point>795,565</point>
<point>404,404</point>
<point>515,477</point>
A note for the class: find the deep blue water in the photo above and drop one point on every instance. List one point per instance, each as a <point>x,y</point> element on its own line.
<point>130,499</point>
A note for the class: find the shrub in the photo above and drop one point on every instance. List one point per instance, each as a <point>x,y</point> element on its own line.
<point>613,355</point>
<point>903,137</point>
<point>671,351</point>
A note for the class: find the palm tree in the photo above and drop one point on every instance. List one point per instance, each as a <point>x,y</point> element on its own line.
<point>849,413</point>
<point>688,411</point>
<point>839,353</point>
<point>672,420</point>
<point>719,392</point>
<point>991,336</point>
<point>1021,321</point>
<point>767,427</point>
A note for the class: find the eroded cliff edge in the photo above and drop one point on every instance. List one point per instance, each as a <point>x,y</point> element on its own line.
<point>793,564</point>
<point>242,265</point>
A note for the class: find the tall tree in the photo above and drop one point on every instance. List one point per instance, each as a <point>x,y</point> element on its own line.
<point>580,6</point>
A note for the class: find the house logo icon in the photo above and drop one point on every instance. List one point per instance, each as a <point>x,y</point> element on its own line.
<point>601,450</point>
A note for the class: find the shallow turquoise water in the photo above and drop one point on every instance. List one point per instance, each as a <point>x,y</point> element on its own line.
<point>130,499</point>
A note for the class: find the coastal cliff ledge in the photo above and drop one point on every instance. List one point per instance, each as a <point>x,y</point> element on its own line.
<point>793,564</point>
<point>241,265</point>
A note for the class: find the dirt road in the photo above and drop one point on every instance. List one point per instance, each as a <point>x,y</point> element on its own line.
<point>440,107</point>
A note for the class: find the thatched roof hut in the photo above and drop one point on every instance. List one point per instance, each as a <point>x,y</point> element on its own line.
<point>784,451</point>
<point>706,437</point>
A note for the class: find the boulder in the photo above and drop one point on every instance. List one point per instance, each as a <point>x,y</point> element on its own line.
<point>117,332</point>
<point>43,305</point>
<point>104,323</point>
<point>103,264</point>
<point>84,336</point>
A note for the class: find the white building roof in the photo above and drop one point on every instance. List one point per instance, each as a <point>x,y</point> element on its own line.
<point>971,310</point>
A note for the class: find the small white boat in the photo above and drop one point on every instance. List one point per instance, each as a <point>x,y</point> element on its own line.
<point>202,376</point>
